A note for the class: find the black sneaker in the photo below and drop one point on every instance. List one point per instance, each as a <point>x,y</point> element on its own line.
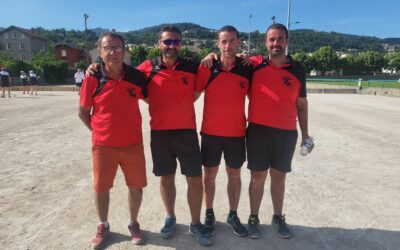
<point>254,228</point>
<point>236,225</point>
<point>200,233</point>
<point>209,223</point>
<point>279,225</point>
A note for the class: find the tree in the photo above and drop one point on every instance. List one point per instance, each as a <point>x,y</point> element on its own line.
<point>153,53</point>
<point>185,52</point>
<point>325,59</point>
<point>393,62</point>
<point>373,61</point>
<point>306,59</point>
<point>352,65</point>
<point>138,55</point>
<point>53,70</point>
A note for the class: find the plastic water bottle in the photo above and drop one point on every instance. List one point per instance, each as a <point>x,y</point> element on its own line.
<point>307,146</point>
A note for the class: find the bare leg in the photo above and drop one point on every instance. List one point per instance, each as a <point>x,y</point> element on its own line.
<point>234,187</point>
<point>210,173</point>
<point>102,201</point>
<point>195,197</point>
<point>277,190</point>
<point>135,200</point>
<point>256,190</point>
<point>168,193</point>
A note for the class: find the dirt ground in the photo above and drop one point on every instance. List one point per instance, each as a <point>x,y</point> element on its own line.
<point>345,195</point>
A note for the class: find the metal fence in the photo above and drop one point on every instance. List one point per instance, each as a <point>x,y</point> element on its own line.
<point>356,83</point>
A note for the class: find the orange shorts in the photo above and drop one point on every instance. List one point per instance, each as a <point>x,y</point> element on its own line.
<point>106,161</point>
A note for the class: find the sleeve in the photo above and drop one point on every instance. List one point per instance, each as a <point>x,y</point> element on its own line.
<point>203,73</point>
<point>145,67</point>
<point>86,95</point>
<point>256,60</point>
<point>302,78</point>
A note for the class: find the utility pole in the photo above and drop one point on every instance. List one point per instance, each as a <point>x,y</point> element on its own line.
<point>86,16</point>
<point>288,24</point>
<point>248,49</point>
<point>273,19</point>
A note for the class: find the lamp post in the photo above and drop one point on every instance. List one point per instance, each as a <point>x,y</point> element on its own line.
<point>273,19</point>
<point>289,23</point>
<point>248,47</point>
<point>86,16</point>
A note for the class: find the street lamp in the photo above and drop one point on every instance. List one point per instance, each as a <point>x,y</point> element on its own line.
<point>86,16</point>
<point>289,23</point>
<point>248,47</point>
<point>273,19</point>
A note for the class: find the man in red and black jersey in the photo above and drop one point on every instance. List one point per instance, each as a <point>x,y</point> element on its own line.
<point>226,86</point>
<point>277,98</point>
<point>173,129</point>
<point>110,109</point>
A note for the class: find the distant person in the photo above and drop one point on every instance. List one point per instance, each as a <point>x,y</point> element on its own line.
<point>33,81</point>
<point>23,78</point>
<point>5,82</point>
<point>79,76</point>
<point>109,108</point>
<point>223,129</point>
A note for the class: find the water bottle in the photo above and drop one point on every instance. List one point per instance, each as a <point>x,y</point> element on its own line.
<point>307,146</point>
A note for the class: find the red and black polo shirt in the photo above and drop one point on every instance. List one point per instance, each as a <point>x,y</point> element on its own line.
<point>274,93</point>
<point>116,119</point>
<point>224,98</point>
<point>171,95</point>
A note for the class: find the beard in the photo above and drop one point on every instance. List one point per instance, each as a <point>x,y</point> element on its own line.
<point>171,53</point>
<point>276,51</point>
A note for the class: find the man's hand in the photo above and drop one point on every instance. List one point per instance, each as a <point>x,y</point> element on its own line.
<point>92,69</point>
<point>207,61</point>
<point>245,59</point>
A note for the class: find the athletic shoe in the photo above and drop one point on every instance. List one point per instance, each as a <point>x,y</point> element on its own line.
<point>209,223</point>
<point>236,225</point>
<point>200,233</point>
<point>169,227</point>
<point>279,225</point>
<point>136,234</point>
<point>254,228</point>
<point>101,236</point>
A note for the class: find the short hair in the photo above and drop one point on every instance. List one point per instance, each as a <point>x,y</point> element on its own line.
<point>278,26</point>
<point>112,35</point>
<point>172,29</point>
<point>228,28</point>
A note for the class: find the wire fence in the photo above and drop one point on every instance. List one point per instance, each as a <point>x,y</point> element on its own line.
<point>355,82</point>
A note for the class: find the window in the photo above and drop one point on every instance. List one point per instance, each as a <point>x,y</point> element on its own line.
<point>14,35</point>
<point>23,58</point>
<point>5,35</point>
<point>22,36</point>
<point>63,53</point>
<point>8,46</point>
<point>21,46</point>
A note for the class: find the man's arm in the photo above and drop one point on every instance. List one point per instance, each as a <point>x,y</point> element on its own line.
<point>302,113</point>
<point>86,117</point>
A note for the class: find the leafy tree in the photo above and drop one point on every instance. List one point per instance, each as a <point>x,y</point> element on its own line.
<point>373,61</point>
<point>325,59</point>
<point>138,55</point>
<point>352,65</point>
<point>185,52</point>
<point>153,53</point>
<point>306,59</point>
<point>81,65</point>
<point>393,61</point>
<point>53,70</point>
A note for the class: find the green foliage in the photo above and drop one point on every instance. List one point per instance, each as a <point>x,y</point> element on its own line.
<point>185,52</point>
<point>138,55</point>
<point>306,59</point>
<point>52,70</point>
<point>325,59</point>
<point>153,53</point>
<point>352,65</point>
<point>393,61</point>
<point>373,61</point>
<point>203,53</point>
<point>81,65</point>
<point>78,38</point>
<point>16,67</point>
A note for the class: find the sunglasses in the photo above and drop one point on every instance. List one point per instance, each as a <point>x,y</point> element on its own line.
<point>175,42</point>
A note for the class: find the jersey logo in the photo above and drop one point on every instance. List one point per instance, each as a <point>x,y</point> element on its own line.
<point>242,84</point>
<point>131,92</point>
<point>287,81</point>
<point>185,80</point>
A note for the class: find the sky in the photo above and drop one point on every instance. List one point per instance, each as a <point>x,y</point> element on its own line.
<point>358,17</point>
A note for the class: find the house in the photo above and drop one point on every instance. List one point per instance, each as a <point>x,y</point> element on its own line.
<point>22,43</point>
<point>69,53</point>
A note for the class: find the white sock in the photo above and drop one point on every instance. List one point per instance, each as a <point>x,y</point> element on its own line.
<point>105,223</point>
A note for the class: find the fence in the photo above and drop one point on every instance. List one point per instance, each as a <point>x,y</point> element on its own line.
<point>355,82</point>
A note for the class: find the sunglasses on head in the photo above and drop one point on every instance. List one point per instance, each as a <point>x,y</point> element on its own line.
<point>174,42</point>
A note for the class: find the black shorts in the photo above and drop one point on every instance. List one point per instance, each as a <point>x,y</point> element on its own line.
<point>78,84</point>
<point>169,145</point>
<point>5,84</point>
<point>234,149</point>
<point>25,82</point>
<point>270,147</point>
